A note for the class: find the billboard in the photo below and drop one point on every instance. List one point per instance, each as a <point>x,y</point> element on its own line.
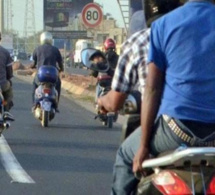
<point>62,14</point>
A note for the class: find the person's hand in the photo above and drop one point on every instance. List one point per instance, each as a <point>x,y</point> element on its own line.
<point>140,156</point>
<point>101,109</point>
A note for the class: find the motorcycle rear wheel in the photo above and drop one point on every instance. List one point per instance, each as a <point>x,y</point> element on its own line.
<point>45,118</point>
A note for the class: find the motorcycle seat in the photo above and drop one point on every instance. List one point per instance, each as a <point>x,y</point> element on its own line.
<point>179,157</point>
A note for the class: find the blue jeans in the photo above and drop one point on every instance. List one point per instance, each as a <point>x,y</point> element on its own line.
<point>163,139</point>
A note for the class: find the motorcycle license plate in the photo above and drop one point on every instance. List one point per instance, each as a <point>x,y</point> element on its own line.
<point>46,105</point>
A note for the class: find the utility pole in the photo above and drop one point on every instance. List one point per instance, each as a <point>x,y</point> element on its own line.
<point>7,13</point>
<point>29,26</point>
<point>1,16</point>
<point>124,6</point>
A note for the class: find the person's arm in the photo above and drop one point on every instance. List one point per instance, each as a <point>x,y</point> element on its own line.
<point>152,94</point>
<point>60,61</point>
<point>93,73</point>
<point>150,106</point>
<point>113,101</point>
<point>34,59</point>
<point>9,68</point>
<point>127,71</point>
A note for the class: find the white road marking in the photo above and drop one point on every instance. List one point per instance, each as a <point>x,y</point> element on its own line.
<point>12,166</point>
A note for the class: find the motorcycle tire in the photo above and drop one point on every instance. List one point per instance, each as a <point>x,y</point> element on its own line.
<point>45,118</point>
<point>110,122</point>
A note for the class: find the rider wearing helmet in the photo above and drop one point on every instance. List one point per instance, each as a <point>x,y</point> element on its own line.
<point>47,54</point>
<point>110,52</point>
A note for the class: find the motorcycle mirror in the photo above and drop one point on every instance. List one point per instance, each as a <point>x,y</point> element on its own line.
<point>87,53</point>
<point>85,56</point>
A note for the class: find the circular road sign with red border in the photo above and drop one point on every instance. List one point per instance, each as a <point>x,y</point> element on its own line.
<point>91,15</point>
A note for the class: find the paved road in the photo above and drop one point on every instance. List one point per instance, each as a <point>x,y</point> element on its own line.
<point>74,155</point>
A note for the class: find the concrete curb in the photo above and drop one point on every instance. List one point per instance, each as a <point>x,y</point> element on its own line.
<point>75,89</point>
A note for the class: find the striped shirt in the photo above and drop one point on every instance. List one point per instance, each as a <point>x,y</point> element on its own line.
<point>131,70</point>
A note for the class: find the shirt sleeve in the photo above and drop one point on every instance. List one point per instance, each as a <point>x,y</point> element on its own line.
<point>132,60</point>
<point>123,72</point>
<point>156,53</point>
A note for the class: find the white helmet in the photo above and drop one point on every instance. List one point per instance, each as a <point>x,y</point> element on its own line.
<point>46,37</point>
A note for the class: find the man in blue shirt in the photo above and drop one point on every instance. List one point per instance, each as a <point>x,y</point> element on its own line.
<point>180,84</point>
<point>179,89</point>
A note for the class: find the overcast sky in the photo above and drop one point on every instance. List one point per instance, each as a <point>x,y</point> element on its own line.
<point>19,13</point>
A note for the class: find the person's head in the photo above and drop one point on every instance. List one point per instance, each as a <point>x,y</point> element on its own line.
<point>155,8</point>
<point>46,38</point>
<point>109,44</point>
<point>97,57</point>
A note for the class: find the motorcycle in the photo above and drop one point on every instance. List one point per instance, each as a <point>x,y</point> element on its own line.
<point>185,171</point>
<point>131,110</point>
<point>102,87</point>
<point>5,116</point>
<point>46,96</point>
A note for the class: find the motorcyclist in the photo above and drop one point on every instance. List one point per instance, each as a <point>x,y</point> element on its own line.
<point>110,52</point>
<point>174,71</point>
<point>180,85</point>
<point>131,70</point>
<point>100,62</point>
<point>47,54</point>
<point>6,73</point>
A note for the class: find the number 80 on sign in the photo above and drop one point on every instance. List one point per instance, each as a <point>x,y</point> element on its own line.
<point>91,15</point>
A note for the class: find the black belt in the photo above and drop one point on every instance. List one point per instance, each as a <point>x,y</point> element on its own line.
<point>181,134</point>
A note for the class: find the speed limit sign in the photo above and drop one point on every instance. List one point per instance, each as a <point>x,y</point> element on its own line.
<point>92,15</point>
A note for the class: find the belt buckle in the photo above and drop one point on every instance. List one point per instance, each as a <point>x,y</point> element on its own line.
<point>167,118</point>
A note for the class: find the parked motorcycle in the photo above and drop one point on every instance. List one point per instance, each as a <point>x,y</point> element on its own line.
<point>5,116</point>
<point>103,85</point>
<point>185,171</point>
<point>46,96</point>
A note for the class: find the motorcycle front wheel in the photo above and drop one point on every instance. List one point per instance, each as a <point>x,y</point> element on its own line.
<point>45,118</point>
<point>110,122</point>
